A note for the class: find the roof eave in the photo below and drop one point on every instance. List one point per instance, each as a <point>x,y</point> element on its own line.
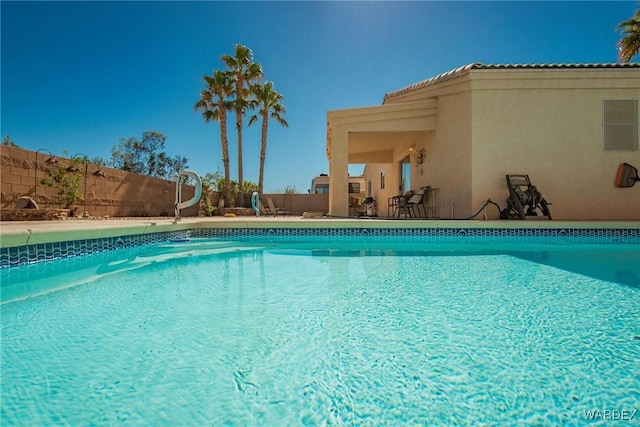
<point>461,71</point>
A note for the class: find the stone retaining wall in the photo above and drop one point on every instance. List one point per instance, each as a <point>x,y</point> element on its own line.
<point>33,214</point>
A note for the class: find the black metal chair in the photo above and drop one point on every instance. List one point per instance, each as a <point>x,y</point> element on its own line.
<point>414,202</point>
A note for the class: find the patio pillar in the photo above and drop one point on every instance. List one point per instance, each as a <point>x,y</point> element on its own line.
<point>339,172</point>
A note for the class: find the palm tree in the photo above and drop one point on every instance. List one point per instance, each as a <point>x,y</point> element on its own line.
<point>269,104</point>
<point>214,104</point>
<point>629,45</point>
<point>244,72</point>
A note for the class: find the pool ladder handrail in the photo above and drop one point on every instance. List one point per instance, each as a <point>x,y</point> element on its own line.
<point>182,177</point>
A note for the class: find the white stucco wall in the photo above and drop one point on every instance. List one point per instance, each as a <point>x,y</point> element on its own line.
<point>549,125</point>
<point>546,122</point>
<point>448,166</point>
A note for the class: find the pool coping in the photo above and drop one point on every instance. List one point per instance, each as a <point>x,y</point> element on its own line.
<point>24,233</point>
<point>33,242</point>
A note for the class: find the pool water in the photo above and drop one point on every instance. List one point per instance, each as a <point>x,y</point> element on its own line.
<point>229,333</point>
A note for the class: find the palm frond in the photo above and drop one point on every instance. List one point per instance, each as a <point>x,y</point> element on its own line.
<point>629,45</point>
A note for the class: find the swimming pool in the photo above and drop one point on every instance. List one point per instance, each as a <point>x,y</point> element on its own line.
<point>366,329</point>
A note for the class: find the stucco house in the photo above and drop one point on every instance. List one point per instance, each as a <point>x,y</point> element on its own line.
<point>568,126</point>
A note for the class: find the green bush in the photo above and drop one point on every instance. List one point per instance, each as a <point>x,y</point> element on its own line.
<point>67,185</point>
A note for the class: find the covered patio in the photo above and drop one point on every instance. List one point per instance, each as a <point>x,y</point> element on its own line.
<point>373,135</point>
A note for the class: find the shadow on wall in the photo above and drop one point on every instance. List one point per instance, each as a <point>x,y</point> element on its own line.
<point>140,195</point>
<point>109,192</point>
<point>113,192</point>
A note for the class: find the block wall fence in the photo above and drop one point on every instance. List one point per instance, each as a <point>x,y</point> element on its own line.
<point>116,194</point>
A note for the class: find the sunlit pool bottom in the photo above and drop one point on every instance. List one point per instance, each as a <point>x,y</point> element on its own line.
<point>206,332</point>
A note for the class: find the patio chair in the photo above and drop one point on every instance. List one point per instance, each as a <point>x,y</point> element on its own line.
<point>415,202</point>
<point>429,202</point>
<point>401,206</point>
<point>274,210</point>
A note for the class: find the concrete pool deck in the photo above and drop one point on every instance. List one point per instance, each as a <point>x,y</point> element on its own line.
<point>21,233</point>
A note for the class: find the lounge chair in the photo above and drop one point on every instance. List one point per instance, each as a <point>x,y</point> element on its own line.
<point>263,210</point>
<point>273,209</point>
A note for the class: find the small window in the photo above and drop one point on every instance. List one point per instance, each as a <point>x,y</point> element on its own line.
<point>620,125</point>
<point>382,180</point>
<point>322,189</point>
<point>354,187</point>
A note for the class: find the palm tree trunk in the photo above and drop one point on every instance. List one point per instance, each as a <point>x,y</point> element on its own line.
<point>240,179</point>
<point>225,161</point>
<point>263,151</point>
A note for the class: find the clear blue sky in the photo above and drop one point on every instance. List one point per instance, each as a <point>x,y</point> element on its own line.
<point>77,76</point>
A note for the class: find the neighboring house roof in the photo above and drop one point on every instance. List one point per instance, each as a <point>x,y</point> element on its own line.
<point>452,74</point>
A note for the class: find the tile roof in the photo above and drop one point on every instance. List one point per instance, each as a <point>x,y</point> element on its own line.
<point>452,74</point>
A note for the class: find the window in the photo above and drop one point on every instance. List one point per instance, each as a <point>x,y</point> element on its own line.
<point>322,189</point>
<point>382,180</point>
<point>620,125</point>
<point>354,187</point>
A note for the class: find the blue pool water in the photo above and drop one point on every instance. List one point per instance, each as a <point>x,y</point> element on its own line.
<point>211,332</point>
